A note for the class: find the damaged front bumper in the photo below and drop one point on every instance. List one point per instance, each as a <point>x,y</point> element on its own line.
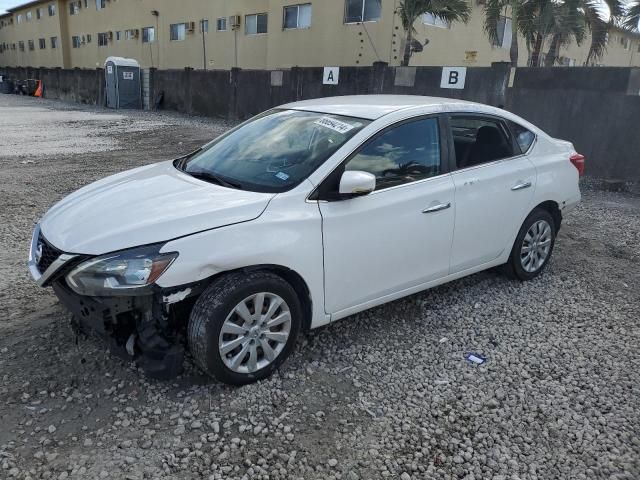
<point>148,326</point>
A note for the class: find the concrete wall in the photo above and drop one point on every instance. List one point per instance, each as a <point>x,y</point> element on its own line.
<point>595,108</point>
<point>70,85</point>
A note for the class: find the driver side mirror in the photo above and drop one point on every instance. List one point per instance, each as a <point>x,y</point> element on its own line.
<point>355,183</point>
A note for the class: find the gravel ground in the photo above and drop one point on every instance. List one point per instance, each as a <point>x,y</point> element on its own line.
<point>383,394</point>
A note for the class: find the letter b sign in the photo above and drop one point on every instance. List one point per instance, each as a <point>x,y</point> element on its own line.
<point>453,77</point>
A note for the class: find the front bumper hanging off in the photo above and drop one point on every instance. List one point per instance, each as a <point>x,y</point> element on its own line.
<point>137,327</point>
<point>146,327</point>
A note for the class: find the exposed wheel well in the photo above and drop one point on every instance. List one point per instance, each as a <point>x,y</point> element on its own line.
<point>291,277</point>
<point>554,210</point>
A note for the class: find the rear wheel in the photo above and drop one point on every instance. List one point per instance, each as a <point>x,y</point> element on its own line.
<point>533,246</point>
<point>244,326</point>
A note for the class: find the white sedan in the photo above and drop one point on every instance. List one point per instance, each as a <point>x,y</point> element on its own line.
<point>303,215</point>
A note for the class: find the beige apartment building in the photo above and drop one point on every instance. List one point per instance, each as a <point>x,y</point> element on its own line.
<point>256,34</point>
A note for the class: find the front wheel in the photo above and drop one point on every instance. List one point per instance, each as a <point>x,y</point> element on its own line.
<point>533,246</point>
<point>244,326</point>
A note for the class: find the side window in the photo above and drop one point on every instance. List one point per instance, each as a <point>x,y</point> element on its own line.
<point>402,154</point>
<point>524,137</point>
<point>479,140</point>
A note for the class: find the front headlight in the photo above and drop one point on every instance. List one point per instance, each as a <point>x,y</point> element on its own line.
<point>120,273</point>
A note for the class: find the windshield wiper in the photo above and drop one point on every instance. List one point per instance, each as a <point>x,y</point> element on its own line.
<point>212,178</point>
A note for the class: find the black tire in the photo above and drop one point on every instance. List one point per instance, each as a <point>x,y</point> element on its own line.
<point>514,267</point>
<point>213,307</point>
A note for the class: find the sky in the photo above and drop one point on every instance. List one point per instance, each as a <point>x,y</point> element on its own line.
<point>4,4</point>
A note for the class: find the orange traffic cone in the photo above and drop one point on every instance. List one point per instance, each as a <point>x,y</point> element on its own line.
<point>38,90</point>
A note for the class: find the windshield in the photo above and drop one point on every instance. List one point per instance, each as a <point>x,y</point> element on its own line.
<point>274,152</point>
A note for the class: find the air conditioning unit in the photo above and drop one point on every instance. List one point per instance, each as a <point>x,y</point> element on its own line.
<point>191,27</point>
<point>234,21</point>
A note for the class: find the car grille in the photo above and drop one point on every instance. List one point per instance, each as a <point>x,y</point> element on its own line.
<point>49,254</point>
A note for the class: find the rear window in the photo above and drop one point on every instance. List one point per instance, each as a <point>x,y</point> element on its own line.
<point>524,137</point>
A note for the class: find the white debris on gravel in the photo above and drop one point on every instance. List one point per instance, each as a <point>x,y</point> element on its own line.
<point>384,394</point>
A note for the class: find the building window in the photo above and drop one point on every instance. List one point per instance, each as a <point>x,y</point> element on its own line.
<point>148,35</point>
<point>21,45</point>
<point>42,43</point>
<point>177,31</point>
<point>19,18</point>
<point>52,9</point>
<point>504,33</point>
<point>86,3</point>
<point>74,8</point>
<point>204,26</point>
<point>75,41</point>
<point>362,10</point>
<point>88,38</point>
<point>32,46</point>
<point>221,24</point>
<point>29,16</point>
<point>103,39</point>
<point>255,24</point>
<point>297,16</point>
<point>624,41</point>
<point>567,62</point>
<point>118,36</point>
<point>431,19</point>
<point>100,4</point>
<point>130,34</point>
<point>38,13</point>
<point>54,42</point>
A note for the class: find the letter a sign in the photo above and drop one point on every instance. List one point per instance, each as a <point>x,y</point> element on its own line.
<point>331,75</point>
<point>453,77</point>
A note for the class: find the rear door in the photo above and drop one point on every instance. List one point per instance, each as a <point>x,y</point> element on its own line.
<point>494,185</point>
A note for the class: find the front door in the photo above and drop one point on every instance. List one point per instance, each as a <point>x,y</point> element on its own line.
<point>398,236</point>
<point>111,82</point>
<point>494,185</point>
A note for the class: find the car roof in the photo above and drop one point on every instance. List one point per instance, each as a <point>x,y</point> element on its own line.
<point>373,107</point>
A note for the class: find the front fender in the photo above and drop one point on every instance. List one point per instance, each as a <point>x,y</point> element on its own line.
<point>287,234</point>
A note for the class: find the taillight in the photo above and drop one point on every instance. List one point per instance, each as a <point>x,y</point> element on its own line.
<point>578,162</point>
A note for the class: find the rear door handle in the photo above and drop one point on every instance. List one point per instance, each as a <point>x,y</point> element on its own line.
<point>521,186</point>
<point>437,208</point>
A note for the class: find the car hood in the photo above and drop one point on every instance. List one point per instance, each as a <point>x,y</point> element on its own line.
<point>146,205</point>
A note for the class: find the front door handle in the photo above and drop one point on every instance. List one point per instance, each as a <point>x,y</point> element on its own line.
<point>521,186</point>
<point>437,208</point>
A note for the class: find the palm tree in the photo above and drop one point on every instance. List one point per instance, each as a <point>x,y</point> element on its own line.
<point>492,13</point>
<point>599,26</point>
<point>632,16</point>
<point>564,21</point>
<point>411,10</point>
<point>530,19</point>
<point>569,24</point>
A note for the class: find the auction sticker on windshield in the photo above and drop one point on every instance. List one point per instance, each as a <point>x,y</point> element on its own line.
<point>333,124</point>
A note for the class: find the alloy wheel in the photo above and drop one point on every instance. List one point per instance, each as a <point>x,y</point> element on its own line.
<point>255,332</point>
<point>536,246</point>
